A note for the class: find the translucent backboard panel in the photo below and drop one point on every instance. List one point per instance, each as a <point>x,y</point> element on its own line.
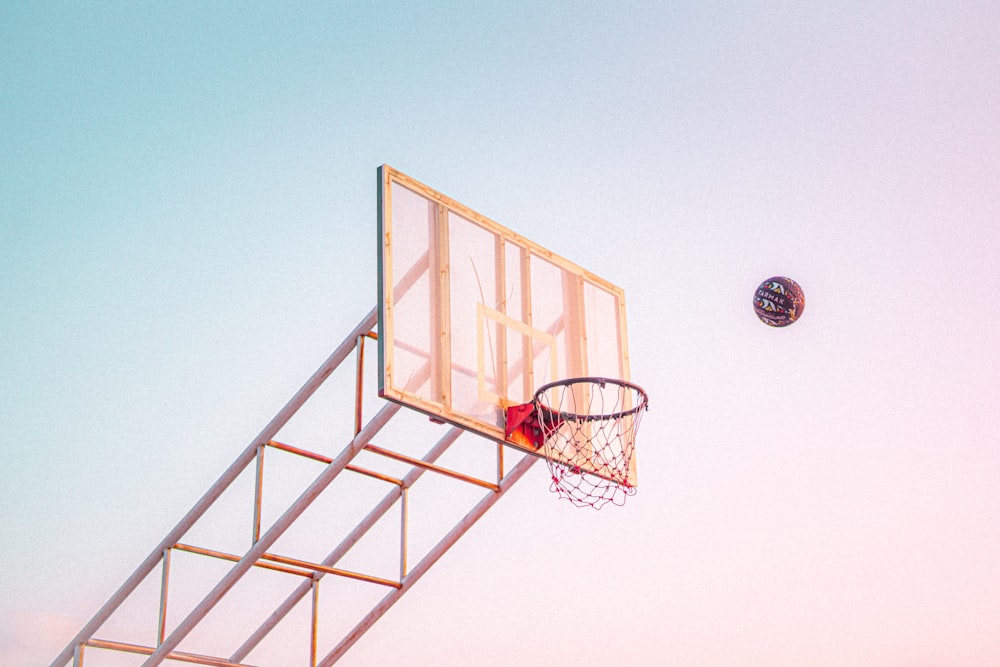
<point>474,317</point>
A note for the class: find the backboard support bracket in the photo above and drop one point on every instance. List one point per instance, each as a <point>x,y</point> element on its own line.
<point>259,554</point>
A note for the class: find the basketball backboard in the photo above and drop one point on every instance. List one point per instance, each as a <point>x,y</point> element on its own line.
<point>474,318</point>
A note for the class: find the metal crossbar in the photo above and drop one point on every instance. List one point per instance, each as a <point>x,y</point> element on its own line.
<point>428,466</point>
<point>179,656</point>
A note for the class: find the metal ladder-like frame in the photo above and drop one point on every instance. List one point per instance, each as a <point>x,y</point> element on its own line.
<point>259,554</point>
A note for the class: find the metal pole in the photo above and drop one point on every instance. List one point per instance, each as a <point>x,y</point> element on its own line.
<point>272,535</point>
<point>314,631</point>
<point>161,629</point>
<point>499,463</point>
<point>404,522</point>
<point>258,493</point>
<point>432,557</point>
<point>359,385</point>
<point>227,478</point>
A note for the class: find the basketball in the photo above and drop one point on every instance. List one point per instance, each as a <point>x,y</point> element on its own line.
<point>779,301</point>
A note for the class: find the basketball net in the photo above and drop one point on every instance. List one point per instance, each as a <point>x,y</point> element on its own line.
<point>586,429</point>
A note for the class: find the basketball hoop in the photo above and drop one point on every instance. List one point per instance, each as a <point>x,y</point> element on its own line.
<point>586,429</point>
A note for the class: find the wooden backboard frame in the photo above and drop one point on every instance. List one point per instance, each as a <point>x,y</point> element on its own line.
<point>461,353</point>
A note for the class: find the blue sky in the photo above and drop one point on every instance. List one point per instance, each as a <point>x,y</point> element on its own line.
<point>187,229</point>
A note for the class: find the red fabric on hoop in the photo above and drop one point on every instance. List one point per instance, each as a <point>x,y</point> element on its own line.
<point>523,420</point>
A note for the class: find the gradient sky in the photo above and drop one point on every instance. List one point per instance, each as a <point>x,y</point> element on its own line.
<point>187,229</point>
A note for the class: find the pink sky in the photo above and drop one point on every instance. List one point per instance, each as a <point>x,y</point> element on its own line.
<point>187,229</point>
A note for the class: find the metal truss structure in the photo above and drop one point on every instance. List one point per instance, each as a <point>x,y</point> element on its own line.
<point>260,554</point>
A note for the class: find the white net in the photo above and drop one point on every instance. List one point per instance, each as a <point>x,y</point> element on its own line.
<point>589,426</point>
